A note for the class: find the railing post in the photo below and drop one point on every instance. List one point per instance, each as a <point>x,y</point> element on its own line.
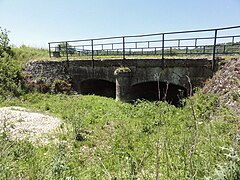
<point>49,50</point>
<point>179,44</point>
<point>204,49</point>
<point>66,44</point>
<point>214,50</point>
<point>224,49</point>
<point>162,50</point>
<point>162,46</point>
<point>123,47</point>
<point>195,42</point>
<point>92,54</point>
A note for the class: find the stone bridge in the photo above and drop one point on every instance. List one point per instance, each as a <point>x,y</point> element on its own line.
<point>151,79</point>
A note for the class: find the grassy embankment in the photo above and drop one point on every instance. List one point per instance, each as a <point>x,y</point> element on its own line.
<point>104,139</point>
<point>26,53</point>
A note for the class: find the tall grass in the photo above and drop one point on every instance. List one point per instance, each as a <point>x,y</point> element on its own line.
<point>25,53</point>
<point>104,139</point>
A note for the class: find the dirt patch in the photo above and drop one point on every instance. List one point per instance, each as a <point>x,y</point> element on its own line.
<point>23,123</point>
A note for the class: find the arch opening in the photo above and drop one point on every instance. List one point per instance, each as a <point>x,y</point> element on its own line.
<point>98,87</point>
<point>154,91</point>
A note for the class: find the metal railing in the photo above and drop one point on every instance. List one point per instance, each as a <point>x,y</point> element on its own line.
<point>213,42</point>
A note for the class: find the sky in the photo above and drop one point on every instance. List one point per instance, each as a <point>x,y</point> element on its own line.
<point>37,22</point>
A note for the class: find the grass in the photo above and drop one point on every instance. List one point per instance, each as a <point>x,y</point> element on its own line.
<point>24,54</point>
<point>104,139</point>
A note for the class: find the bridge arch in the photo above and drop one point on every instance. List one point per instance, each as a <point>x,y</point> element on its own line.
<point>150,90</point>
<point>98,87</point>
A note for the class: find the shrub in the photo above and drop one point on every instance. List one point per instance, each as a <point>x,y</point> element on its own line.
<point>229,169</point>
<point>5,49</point>
<point>10,78</point>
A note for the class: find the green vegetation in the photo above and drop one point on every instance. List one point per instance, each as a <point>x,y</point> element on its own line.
<point>12,61</point>
<point>104,139</point>
<point>10,78</point>
<point>4,43</point>
<point>25,53</point>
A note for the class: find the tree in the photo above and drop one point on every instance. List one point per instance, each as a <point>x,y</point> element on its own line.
<point>10,72</point>
<point>62,47</point>
<point>4,43</point>
<point>10,77</point>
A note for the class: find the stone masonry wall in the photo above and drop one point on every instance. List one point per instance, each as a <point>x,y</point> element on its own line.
<point>174,71</point>
<point>47,71</point>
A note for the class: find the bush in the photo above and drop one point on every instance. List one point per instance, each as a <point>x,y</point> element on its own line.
<point>5,49</point>
<point>10,78</point>
<point>230,169</point>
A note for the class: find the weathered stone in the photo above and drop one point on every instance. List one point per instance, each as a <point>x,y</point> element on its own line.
<point>175,71</point>
<point>123,84</point>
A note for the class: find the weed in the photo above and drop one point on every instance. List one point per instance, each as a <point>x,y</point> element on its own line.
<point>102,138</point>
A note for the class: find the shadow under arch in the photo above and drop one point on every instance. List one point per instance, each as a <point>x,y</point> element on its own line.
<point>150,91</point>
<point>98,87</point>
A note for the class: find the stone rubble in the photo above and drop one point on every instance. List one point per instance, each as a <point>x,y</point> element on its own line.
<point>226,83</point>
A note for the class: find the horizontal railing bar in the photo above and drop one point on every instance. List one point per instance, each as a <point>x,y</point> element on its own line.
<point>107,44</point>
<point>190,31</point>
<point>158,48</point>
<point>154,34</point>
<point>182,39</point>
<point>167,40</point>
<point>149,47</point>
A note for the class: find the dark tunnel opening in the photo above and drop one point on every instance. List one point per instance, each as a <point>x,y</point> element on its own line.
<point>154,91</point>
<point>98,87</point>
